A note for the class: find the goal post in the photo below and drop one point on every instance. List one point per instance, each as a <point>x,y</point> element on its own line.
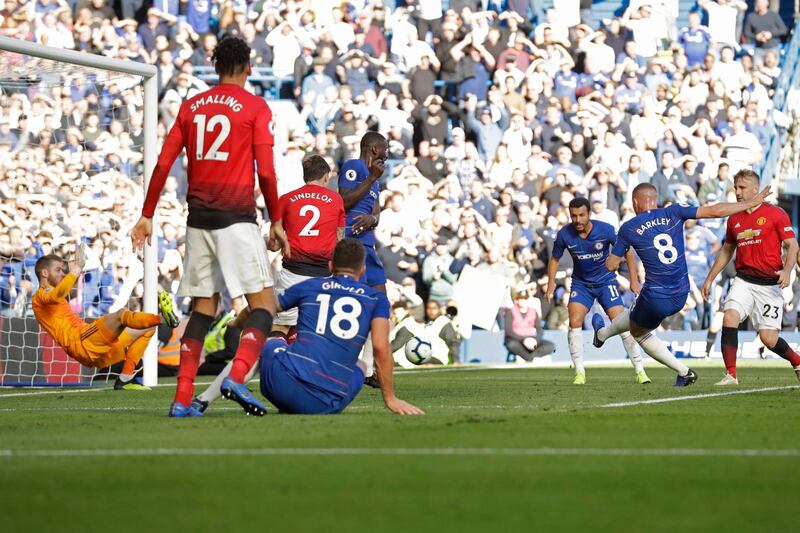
<point>148,75</point>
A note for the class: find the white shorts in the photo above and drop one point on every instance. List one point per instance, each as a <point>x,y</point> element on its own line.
<point>762,303</point>
<point>234,257</point>
<point>283,280</point>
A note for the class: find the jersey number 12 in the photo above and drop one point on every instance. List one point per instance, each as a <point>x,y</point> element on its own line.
<point>213,153</point>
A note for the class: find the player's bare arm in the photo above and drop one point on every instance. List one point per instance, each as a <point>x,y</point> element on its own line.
<point>366,222</point>
<point>552,268</point>
<point>613,262</point>
<point>790,259</point>
<point>350,197</point>
<point>727,209</point>
<point>723,258</point>
<point>632,271</point>
<point>278,240</point>
<point>384,363</point>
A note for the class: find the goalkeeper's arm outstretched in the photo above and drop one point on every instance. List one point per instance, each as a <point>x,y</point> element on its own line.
<point>115,337</point>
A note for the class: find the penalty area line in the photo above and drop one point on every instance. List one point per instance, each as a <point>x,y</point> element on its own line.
<point>418,452</point>
<point>698,396</point>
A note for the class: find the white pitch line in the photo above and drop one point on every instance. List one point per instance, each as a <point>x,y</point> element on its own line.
<point>431,452</point>
<point>98,409</point>
<point>59,391</point>
<point>699,396</point>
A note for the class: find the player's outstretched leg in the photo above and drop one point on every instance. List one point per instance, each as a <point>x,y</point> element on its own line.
<point>254,334</point>
<point>135,348</point>
<point>631,346</point>
<point>780,347</point>
<point>601,334</point>
<point>166,311</point>
<point>213,392</point>
<point>658,351</point>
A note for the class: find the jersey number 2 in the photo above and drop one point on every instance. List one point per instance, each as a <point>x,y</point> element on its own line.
<point>213,153</point>
<point>344,322</point>
<point>308,230</point>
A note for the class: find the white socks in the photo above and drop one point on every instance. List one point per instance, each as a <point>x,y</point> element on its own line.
<point>658,351</point>
<point>213,391</point>
<point>575,341</point>
<point>367,357</point>
<point>619,325</point>
<point>632,347</point>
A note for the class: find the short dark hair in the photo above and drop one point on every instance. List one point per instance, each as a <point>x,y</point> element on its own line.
<point>348,255</point>
<point>44,263</point>
<point>578,202</point>
<point>747,173</point>
<point>726,165</point>
<point>370,139</point>
<point>314,167</point>
<point>642,187</point>
<point>231,56</point>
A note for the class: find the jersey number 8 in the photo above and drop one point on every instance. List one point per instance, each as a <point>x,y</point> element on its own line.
<point>344,322</point>
<point>667,253</point>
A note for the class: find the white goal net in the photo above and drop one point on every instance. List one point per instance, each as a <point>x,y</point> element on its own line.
<point>72,165</point>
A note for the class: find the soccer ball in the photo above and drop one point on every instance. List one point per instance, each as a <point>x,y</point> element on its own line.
<point>418,351</point>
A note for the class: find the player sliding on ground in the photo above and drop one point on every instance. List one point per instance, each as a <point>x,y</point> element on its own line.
<point>758,236</point>
<point>657,236</point>
<point>588,242</point>
<point>119,336</point>
<point>320,372</point>
<point>223,130</point>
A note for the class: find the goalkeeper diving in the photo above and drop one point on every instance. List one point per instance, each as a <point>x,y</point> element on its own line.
<point>120,336</point>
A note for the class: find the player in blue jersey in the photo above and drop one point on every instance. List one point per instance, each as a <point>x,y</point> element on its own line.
<point>657,236</point>
<point>320,372</point>
<point>588,242</point>
<point>360,189</point>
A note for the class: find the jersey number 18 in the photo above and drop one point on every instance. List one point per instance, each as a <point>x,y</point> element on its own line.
<point>344,322</point>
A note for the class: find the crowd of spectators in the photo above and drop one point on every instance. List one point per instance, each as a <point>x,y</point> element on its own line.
<point>496,118</point>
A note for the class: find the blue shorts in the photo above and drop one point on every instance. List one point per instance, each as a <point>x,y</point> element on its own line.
<point>649,310</point>
<point>375,274</point>
<point>290,395</point>
<point>608,295</point>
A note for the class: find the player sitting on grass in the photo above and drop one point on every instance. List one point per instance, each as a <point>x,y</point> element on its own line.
<point>758,237</point>
<point>320,372</point>
<point>657,236</point>
<point>119,336</point>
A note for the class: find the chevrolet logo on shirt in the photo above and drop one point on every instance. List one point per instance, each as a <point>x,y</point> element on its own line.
<point>748,234</point>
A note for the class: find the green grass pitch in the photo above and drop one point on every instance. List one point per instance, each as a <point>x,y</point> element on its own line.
<point>499,450</point>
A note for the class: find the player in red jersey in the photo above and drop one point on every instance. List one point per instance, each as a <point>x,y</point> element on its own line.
<point>224,130</point>
<point>311,222</point>
<point>758,236</point>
